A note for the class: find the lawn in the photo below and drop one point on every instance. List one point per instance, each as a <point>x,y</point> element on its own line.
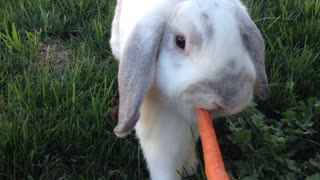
<point>58,96</point>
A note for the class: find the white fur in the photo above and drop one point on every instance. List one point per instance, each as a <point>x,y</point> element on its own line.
<point>166,139</point>
<point>167,128</point>
<point>132,11</point>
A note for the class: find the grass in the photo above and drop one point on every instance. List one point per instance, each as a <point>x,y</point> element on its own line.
<point>58,92</point>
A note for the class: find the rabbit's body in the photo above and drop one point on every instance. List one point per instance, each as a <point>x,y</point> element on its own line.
<point>175,56</point>
<point>166,139</point>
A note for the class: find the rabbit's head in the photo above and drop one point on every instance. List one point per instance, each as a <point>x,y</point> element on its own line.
<point>208,54</point>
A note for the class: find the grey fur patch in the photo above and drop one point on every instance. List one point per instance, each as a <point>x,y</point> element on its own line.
<point>136,74</point>
<point>227,87</point>
<point>196,38</point>
<point>205,16</point>
<point>231,64</point>
<point>224,91</point>
<point>253,42</point>
<point>209,30</point>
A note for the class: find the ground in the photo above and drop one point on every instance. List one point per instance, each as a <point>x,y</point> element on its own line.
<point>58,96</point>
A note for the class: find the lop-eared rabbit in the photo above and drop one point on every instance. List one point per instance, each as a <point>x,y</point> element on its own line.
<point>175,55</point>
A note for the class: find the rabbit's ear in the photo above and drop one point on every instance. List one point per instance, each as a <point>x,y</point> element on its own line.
<point>254,44</point>
<point>136,72</point>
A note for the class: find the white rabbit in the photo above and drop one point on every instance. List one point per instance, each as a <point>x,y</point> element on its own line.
<point>175,55</point>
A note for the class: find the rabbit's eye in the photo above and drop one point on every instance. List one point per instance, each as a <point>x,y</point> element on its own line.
<point>180,42</point>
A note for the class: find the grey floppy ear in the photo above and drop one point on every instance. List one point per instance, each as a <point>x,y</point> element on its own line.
<point>254,44</point>
<point>136,73</point>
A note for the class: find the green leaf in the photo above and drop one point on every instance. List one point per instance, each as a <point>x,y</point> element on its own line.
<point>314,177</point>
<point>290,114</point>
<point>244,136</point>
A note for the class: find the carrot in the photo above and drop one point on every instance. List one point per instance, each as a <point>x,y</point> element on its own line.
<point>214,166</point>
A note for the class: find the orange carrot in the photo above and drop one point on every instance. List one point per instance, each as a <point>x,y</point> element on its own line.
<point>214,166</point>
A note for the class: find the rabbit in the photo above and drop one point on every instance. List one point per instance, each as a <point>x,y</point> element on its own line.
<point>175,55</point>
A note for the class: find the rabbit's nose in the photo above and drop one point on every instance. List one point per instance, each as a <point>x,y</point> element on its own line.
<point>231,88</point>
<point>225,93</point>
